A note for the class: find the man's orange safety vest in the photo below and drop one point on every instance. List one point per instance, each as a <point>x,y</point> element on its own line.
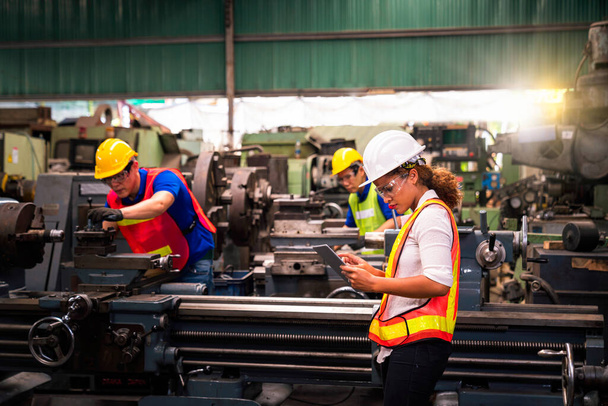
<point>437,317</point>
<point>161,234</point>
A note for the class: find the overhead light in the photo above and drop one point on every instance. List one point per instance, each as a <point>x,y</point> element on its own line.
<point>380,91</point>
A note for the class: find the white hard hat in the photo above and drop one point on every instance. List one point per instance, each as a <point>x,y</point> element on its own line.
<point>387,151</point>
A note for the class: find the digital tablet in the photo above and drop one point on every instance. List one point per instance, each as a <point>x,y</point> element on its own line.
<point>331,258</point>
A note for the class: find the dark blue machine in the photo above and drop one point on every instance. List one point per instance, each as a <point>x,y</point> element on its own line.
<point>128,338</point>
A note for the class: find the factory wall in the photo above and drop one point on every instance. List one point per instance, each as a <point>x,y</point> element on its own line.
<point>137,48</point>
<point>81,49</point>
<point>409,44</point>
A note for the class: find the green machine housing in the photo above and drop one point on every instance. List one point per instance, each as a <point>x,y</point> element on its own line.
<point>78,145</point>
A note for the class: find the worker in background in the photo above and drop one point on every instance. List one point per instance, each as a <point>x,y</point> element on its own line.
<point>415,322</point>
<point>366,209</point>
<point>155,211</point>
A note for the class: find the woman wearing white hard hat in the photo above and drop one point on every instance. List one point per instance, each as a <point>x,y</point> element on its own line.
<point>416,319</point>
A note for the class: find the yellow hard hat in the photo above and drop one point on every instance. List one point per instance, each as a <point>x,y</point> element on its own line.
<point>343,158</point>
<point>112,156</point>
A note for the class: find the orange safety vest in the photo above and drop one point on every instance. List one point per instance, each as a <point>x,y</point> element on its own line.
<point>158,235</point>
<point>437,317</point>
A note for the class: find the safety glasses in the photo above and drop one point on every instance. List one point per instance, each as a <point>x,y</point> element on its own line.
<point>346,178</point>
<point>390,189</point>
<point>120,176</point>
<point>350,176</point>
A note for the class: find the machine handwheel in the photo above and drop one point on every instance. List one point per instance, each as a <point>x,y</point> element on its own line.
<point>241,216</point>
<point>523,240</point>
<point>567,371</point>
<point>346,290</point>
<point>568,376</point>
<point>333,210</point>
<point>51,341</point>
<point>209,179</point>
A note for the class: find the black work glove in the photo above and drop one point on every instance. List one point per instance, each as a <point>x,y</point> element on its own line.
<point>105,214</point>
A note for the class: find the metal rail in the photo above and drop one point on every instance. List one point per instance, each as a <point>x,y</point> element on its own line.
<point>271,353</point>
<point>316,368</point>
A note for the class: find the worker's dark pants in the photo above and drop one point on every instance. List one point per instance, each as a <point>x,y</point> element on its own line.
<point>411,372</point>
<point>199,272</point>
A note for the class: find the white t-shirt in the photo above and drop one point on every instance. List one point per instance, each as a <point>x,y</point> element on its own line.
<point>427,251</point>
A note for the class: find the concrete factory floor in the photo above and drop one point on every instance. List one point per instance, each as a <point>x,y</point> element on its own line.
<point>319,395</point>
<point>14,391</point>
<point>273,395</point>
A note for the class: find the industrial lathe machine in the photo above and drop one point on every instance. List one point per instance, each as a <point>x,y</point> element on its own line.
<point>571,152</point>
<point>569,198</point>
<point>120,334</point>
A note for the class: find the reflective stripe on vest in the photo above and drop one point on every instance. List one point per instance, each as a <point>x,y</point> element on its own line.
<point>367,214</point>
<point>130,222</point>
<point>436,318</point>
<point>161,234</point>
<point>162,251</point>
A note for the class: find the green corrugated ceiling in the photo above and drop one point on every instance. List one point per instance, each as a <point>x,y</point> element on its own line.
<point>140,48</point>
<point>280,16</point>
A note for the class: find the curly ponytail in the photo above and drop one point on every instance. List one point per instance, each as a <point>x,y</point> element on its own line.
<point>442,181</point>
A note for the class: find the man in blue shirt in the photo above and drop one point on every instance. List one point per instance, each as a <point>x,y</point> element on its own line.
<point>155,211</point>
